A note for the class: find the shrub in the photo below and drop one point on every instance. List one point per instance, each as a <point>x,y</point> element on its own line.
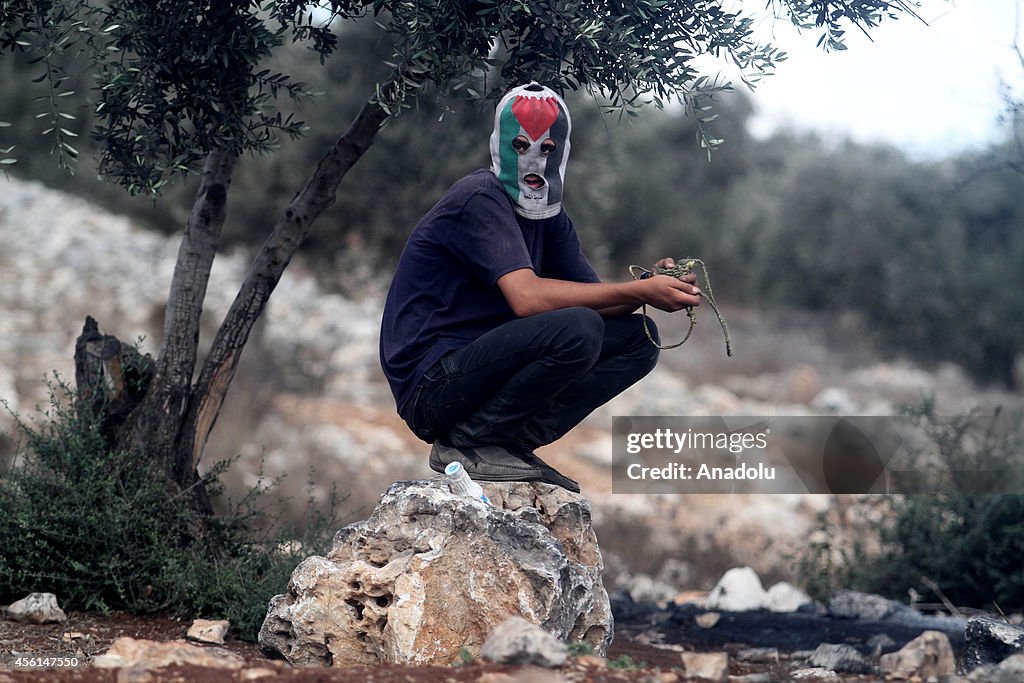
<point>963,543</point>
<point>104,530</point>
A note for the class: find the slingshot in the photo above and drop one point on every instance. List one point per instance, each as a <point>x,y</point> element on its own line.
<point>684,267</point>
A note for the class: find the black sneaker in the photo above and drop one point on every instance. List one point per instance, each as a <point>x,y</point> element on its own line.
<point>485,463</point>
<point>550,474</point>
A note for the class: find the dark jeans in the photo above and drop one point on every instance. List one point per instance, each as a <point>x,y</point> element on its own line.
<point>531,380</point>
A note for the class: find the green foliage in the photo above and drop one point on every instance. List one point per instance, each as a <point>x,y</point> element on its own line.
<point>969,544</point>
<point>103,530</point>
<point>831,15</point>
<point>177,80</point>
<point>930,265</point>
<point>48,30</point>
<point>580,648</point>
<point>626,663</point>
<point>825,566</point>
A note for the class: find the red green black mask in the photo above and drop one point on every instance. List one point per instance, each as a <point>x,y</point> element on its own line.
<point>529,148</point>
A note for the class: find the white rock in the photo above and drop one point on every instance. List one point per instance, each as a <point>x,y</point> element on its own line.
<point>738,590</point>
<point>517,641</point>
<point>37,608</point>
<point>813,674</point>
<point>207,631</point>
<point>785,597</point>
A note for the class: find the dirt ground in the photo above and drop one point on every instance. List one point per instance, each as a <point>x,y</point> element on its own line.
<point>86,635</point>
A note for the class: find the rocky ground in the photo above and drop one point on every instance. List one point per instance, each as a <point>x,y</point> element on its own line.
<point>86,635</point>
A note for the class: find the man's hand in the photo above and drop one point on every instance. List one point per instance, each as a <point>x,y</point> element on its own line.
<point>669,293</point>
<point>670,298</point>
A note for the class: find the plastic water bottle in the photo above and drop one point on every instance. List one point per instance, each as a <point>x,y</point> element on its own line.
<point>461,484</point>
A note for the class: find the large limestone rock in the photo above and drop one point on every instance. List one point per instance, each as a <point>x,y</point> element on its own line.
<point>430,573</point>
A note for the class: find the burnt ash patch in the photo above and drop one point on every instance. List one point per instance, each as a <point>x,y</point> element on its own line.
<point>788,632</point>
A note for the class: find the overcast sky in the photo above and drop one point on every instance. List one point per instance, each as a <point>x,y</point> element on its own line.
<point>930,89</point>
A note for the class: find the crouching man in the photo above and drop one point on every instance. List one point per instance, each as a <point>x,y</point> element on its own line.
<point>498,337</point>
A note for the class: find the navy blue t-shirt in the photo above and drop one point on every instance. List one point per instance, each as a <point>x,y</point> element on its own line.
<point>445,293</point>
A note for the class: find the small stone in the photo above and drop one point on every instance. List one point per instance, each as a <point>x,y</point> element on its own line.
<point>255,674</point>
<point>517,641</point>
<point>134,674</point>
<point>37,608</point>
<point>762,677</point>
<point>206,631</point>
<point>880,642</point>
<point>929,657</point>
<point>592,661</point>
<point>669,677</point>
<point>759,655</point>
<point>802,384</point>
<point>813,674</point>
<point>527,675</point>
<point>838,657</point>
<point>495,677</point>
<point>711,666</point>
<point>690,597</point>
<point>707,619</point>
<point>1010,670</point>
<point>1013,664</point>
<point>986,673</point>
<point>856,605</point>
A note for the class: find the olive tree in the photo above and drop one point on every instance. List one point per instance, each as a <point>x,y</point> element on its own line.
<point>181,90</point>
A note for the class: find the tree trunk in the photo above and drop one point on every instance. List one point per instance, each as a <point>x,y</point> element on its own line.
<point>173,420</point>
<point>156,423</point>
<point>111,378</point>
<point>265,272</point>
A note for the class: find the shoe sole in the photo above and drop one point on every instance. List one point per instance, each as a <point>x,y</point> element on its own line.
<point>551,475</point>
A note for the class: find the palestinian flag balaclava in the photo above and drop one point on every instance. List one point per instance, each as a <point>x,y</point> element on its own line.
<point>529,148</point>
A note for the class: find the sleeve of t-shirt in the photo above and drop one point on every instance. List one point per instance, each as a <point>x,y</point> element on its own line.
<point>563,254</point>
<point>486,237</point>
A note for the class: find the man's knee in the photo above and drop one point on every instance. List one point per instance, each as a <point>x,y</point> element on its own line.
<point>579,331</point>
